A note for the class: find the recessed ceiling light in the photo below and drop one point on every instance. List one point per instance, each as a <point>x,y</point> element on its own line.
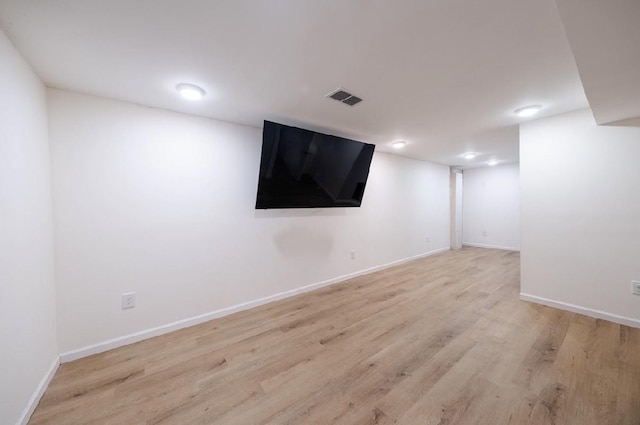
<point>190,91</point>
<point>469,155</point>
<point>527,111</point>
<point>399,144</point>
<point>492,162</point>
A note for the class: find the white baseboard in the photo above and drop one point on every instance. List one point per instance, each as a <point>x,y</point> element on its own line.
<point>482,245</point>
<point>37,394</point>
<point>635,323</point>
<point>192,321</point>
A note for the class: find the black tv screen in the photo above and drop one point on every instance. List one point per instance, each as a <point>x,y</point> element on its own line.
<point>304,169</point>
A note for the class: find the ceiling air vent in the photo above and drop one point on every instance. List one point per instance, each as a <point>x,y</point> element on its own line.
<point>341,95</point>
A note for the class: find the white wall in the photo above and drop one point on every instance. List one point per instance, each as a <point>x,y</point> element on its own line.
<point>27,300</point>
<point>162,204</point>
<point>456,189</point>
<point>581,215</point>
<point>491,207</point>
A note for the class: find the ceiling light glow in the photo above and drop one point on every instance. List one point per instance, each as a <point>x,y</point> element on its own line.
<point>469,155</point>
<point>190,91</point>
<point>399,144</point>
<point>527,111</point>
<point>492,162</point>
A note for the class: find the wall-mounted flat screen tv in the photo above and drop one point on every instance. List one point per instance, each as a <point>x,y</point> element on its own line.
<point>304,169</point>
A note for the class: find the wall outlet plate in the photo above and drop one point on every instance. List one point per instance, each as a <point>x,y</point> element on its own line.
<point>128,300</point>
<point>635,287</point>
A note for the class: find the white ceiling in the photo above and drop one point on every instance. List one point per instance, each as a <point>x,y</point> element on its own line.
<point>443,75</point>
<point>605,40</point>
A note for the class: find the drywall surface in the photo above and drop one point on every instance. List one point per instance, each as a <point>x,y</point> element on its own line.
<point>28,301</point>
<point>491,207</point>
<point>162,204</point>
<point>580,206</point>
<point>456,208</point>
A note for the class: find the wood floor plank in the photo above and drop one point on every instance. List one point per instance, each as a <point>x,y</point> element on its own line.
<point>440,340</point>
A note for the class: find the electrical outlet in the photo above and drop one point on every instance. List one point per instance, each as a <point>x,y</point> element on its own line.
<point>484,233</point>
<point>128,300</point>
<point>635,287</point>
<point>353,255</point>
<point>428,239</point>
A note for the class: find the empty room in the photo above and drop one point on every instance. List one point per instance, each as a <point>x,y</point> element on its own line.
<point>319,212</point>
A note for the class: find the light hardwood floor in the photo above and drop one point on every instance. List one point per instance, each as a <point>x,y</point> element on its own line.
<point>439,341</point>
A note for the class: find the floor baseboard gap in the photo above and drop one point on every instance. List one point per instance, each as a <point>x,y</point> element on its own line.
<point>489,246</point>
<point>101,347</point>
<point>39,392</point>
<point>597,314</point>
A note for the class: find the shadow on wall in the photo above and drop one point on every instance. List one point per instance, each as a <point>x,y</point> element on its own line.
<point>300,212</point>
<point>302,241</point>
<point>298,241</point>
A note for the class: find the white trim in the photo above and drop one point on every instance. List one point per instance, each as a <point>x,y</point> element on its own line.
<point>482,245</point>
<point>37,394</point>
<point>192,321</point>
<point>635,323</point>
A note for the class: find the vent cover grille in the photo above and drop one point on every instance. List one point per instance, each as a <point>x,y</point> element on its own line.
<point>352,100</point>
<point>343,96</point>
<point>340,95</point>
